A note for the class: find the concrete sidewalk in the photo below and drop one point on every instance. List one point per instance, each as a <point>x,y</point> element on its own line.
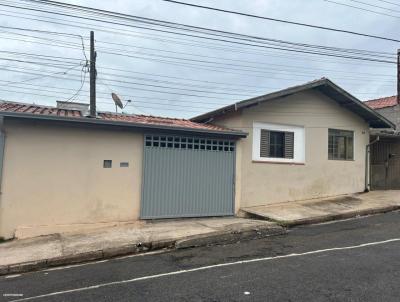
<point>46,251</point>
<point>326,209</point>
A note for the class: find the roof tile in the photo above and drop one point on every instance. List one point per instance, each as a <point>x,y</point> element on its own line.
<point>128,118</point>
<point>380,103</point>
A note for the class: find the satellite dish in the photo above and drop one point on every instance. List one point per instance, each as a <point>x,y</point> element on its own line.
<point>117,100</point>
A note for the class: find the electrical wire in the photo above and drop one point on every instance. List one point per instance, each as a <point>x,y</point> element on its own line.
<point>278,20</point>
<point>154,22</point>
<point>120,52</point>
<point>42,76</point>
<point>80,88</point>
<point>202,45</point>
<point>388,2</point>
<point>363,9</point>
<point>375,6</point>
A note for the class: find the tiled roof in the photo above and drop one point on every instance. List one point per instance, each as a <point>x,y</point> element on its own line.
<point>34,109</point>
<point>380,103</point>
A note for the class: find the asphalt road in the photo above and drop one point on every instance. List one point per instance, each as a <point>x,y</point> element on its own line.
<point>353,260</point>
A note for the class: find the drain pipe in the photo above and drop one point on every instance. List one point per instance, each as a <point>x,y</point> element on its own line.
<point>367,164</point>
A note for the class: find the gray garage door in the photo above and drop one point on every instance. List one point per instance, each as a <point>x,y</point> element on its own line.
<point>187,177</point>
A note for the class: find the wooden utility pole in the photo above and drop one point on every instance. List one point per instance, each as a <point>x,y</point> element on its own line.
<point>398,76</point>
<point>93,74</point>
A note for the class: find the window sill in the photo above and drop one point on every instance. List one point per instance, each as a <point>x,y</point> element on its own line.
<point>278,162</point>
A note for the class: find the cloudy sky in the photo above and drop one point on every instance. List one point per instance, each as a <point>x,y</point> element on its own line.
<point>181,75</point>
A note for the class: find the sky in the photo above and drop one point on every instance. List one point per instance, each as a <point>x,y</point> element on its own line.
<point>172,75</point>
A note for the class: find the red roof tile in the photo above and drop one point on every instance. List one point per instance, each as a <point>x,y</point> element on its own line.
<point>380,103</point>
<point>107,116</point>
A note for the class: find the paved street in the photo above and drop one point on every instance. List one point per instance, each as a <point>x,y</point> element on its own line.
<point>353,260</point>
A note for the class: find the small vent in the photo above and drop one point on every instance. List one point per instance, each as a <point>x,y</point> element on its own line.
<point>195,143</point>
<point>107,163</point>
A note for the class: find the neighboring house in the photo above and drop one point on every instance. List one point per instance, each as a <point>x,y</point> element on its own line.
<point>304,142</point>
<point>62,170</point>
<point>385,153</point>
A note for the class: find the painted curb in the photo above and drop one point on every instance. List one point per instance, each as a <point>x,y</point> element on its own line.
<point>219,237</point>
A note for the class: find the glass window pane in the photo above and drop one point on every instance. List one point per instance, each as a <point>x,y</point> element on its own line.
<point>340,144</point>
<point>276,144</point>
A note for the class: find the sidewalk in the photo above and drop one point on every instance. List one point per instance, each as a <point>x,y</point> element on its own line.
<point>46,251</point>
<point>326,209</point>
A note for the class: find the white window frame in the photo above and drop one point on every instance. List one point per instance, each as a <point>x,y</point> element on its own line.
<point>298,143</point>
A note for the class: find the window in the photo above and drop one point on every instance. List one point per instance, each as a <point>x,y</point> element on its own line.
<point>340,144</point>
<point>278,143</point>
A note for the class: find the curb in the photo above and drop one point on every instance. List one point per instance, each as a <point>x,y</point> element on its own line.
<point>215,238</point>
<point>331,217</point>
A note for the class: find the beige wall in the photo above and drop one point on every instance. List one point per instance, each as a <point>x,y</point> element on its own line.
<point>267,183</point>
<point>54,178</point>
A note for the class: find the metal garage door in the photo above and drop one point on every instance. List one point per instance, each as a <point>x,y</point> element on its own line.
<point>187,177</point>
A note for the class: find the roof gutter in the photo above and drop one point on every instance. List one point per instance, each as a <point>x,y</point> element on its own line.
<point>138,126</point>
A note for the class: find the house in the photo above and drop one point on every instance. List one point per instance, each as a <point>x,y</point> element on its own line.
<point>385,151</point>
<point>304,142</point>
<point>62,170</point>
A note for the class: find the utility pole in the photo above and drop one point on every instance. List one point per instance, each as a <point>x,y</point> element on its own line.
<point>398,76</point>
<point>93,74</point>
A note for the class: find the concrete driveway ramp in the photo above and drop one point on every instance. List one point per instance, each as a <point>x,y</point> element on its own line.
<point>326,209</point>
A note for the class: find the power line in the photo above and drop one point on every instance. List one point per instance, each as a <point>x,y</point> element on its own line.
<point>52,33</point>
<point>205,56</point>
<point>219,58</point>
<point>388,2</point>
<point>134,88</point>
<point>42,76</point>
<point>269,64</point>
<point>47,88</point>
<point>82,84</point>
<point>36,63</point>
<point>206,67</point>
<point>157,22</point>
<point>126,82</point>
<point>282,21</point>
<point>231,66</point>
<point>203,67</point>
<point>363,9</point>
<point>287,113</point>
<point>231,49</point>
<point>376,6</point>
<point>199,67</point>
<point>153,100</point>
